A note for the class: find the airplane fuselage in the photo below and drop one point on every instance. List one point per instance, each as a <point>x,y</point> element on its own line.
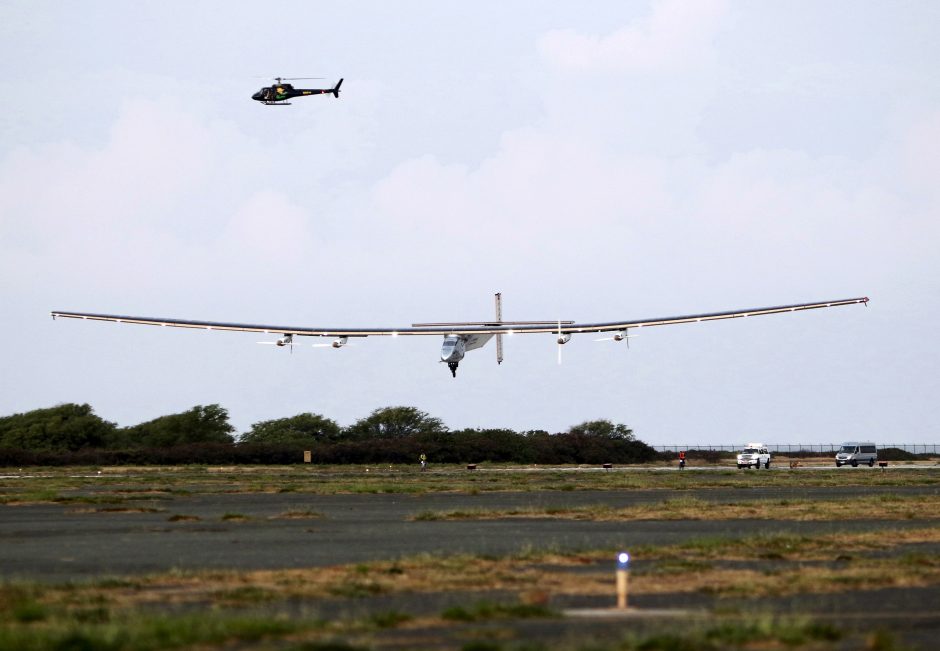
<point>452,351</point>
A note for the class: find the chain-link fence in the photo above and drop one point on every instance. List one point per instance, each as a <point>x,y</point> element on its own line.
<point>794,448</point>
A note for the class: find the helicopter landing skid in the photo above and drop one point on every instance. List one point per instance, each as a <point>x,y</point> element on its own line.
<point>276,103</point>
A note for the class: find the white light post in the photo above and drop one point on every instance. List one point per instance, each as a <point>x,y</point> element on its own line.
<point>623,569</point>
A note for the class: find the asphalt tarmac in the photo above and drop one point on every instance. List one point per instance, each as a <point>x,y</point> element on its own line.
<point>52,542</point>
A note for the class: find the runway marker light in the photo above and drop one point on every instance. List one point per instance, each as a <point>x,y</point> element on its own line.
<point>623,565</point>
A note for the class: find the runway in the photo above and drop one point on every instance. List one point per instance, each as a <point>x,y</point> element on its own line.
<point>52,542</point>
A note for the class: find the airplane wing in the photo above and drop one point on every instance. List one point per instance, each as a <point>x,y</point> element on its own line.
<point>478,330</point>
<point>477,341</point>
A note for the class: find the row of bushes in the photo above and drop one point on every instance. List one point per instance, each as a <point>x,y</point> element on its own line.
<point>72,427</point>
<point>459,447</point>
<point>74,434</point>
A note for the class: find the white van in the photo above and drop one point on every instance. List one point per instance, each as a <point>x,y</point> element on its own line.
<point>754,455</point>
<point>855,453</point>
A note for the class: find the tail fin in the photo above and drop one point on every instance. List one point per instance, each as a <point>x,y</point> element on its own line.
<point>335,90</point>
<point>499,319</point>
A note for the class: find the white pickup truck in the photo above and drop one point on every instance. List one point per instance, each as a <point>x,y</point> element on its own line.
<point>753,455</point>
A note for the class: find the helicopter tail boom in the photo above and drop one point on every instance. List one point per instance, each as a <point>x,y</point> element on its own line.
<point>335,89</point>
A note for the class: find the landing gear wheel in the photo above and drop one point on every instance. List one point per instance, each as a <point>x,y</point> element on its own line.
<point>453,368</point>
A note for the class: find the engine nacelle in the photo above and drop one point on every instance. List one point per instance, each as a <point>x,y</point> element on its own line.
<point>564,339</point>
<point>620,336</point>
<point>286,340</point>
<point>339,343</point>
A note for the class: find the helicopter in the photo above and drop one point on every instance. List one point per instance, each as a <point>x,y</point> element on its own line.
<point>279,93</point>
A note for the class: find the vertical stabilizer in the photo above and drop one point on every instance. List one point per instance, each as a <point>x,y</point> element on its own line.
<point>499,319</point>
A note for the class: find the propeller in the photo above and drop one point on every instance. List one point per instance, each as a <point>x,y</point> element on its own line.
<point>620,336</point>
<point>286,340</point>
<point>333,345</point>
<point>341,342</point>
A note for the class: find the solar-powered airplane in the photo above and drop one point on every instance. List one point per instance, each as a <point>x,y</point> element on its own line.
<point>463,336</point>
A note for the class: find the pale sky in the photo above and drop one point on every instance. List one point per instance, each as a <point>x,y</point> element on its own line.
<point>600,161</point>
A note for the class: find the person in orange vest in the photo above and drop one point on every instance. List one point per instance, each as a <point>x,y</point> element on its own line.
<point>682,460</point>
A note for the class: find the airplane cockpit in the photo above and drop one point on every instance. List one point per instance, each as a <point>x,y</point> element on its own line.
<point>452,351</point>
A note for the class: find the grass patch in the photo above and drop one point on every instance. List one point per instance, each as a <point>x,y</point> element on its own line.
<point>389,619</point>
<point>691,508</point>
<point>147,482</point>
<point>120,509</point>
<point>327,645</point>
<point>141,631</point>
<point>751,633</point>
<point>297,514</point>
<point>682,566</point>
<point>245,595</point>
<point>235,517</point>
<point>29,611</point>
<point>358,588</point>
<point>485,610</point>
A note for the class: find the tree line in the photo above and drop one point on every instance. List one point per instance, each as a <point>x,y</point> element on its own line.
<point>74,434</point>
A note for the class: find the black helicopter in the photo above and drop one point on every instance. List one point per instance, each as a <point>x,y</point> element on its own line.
<point>279,93</point>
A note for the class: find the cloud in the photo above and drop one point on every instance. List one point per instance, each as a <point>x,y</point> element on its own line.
<point>267,232</point>
<point>759,222</point>
<point>677,35</point>
<point>921,156</point>
<point>163,200</point>
<point>615,184</point>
